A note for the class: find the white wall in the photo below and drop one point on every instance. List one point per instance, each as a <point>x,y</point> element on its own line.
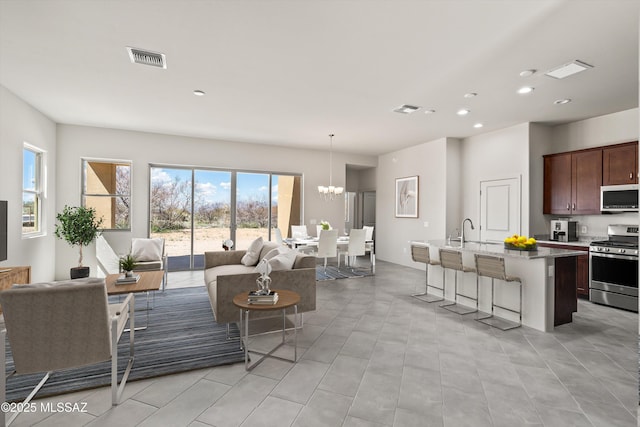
<point>539,144</point>
<point>76,142</point>
<point>494,155</point>
<point>20,123</point>
<point>429,162</point>
<point>604,130</point>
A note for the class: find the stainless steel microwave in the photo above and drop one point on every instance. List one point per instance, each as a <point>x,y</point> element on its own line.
<point>619,198</point>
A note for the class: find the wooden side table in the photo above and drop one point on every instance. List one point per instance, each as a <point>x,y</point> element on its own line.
<point>149,281</point>
<point>286,299</point>
<point>10,276</point>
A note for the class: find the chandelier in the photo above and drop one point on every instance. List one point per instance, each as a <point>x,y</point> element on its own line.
<point>330,192</point>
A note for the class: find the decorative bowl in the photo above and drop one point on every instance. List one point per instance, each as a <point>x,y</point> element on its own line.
<point>513,247</point>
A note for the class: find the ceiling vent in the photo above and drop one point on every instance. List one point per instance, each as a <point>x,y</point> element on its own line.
<point>146,57</point>
<point>568,69</point>
<point>406,109</point>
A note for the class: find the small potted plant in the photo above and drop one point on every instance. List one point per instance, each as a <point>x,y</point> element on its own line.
<point>325,225</point>
<point>127,264</point>
<point>78,226</point>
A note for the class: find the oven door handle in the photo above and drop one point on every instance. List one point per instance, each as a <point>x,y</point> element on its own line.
<point>617,256</point>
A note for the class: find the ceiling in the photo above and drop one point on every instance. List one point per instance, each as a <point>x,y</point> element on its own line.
<point>289,73</point>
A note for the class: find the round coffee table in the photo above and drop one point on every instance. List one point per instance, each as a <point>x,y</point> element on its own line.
<point>286,299</point>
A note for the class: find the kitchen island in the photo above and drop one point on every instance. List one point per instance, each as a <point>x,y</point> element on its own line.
<point>547,295</point>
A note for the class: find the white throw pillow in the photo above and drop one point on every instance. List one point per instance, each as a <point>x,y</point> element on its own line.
<point>253,253</point>
<point>272,253</point>
<point>284,260</point>
<point>147,249</point>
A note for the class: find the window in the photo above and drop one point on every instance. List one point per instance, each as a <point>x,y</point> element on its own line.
<point>106,187</point>
<point>32,190</point>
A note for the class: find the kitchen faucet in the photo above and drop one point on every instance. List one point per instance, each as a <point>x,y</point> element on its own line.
<point>462,228</point>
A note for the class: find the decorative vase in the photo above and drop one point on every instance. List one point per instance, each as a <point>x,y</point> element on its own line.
<point>263,281</point>
<point>263,285</point>
<point>79,272</point>
<point>128,273</point>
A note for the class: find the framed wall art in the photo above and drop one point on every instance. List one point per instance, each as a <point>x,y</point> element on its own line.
<point>407,197</point>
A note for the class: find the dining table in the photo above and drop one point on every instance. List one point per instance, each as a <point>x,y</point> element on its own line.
<point>343,241</point>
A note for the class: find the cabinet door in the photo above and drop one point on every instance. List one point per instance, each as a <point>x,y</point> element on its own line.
<point>586,179</point>
<point>620,164</point>
<point>557,184</point>
<point>582,279</point>
<point>566,301</point>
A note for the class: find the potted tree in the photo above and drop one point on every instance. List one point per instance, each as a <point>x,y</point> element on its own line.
<point>78,226</point>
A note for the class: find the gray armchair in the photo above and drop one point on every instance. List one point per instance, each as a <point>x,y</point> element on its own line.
<point>61,325</point>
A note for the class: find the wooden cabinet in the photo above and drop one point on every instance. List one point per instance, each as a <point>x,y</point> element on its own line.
<point>566,302</point>
<point>586,180</point>
<point>557,184</point>
<point>582,266</point>
<point>620,164</point>
<point>572,182</point>
<point>14,275</point>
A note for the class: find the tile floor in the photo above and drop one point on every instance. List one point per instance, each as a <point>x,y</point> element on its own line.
<point>373,356</point>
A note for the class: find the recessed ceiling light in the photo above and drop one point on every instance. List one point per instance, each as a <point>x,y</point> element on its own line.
<point>463,112</point>
<point>430,111</point>
<point>525,90</point>
<point>568,69</point>
<point>562,101</point>
<point>470,95</point>
<point>527,73</point>
<point>478,125</point>
<point>406,109</point>
<point>198,92</point>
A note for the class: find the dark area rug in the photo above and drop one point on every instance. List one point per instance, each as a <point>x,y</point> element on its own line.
<point>333,273</point>
<point>182,336</point>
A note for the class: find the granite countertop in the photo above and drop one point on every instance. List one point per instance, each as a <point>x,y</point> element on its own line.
<point>582,240</point>
<point>497,248</point>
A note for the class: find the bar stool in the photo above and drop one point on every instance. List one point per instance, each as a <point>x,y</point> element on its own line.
<point>453,260</point>
<point>493,267</point>
<point>420,253</point>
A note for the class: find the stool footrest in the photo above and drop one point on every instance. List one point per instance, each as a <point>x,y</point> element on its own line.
<point>499,322</point>
<point>427,297</point>
<point>459,308</point>
<point>506,309</point>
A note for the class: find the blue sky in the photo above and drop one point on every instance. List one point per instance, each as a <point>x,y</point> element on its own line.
<point>28,172</point>
<point>215,186</point>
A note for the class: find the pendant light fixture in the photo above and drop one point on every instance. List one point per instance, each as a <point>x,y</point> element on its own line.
<point>330,192</point>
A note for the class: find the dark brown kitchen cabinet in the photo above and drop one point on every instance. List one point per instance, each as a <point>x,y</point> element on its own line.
<point>582,267</point>
<point>566,302</point>
<point>620,164</point>
<point>557,184</point>
<point>572,182</point>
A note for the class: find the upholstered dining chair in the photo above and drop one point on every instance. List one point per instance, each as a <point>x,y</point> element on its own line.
<point>370,245</point>
<point>60,325</point>
<point>150,256</point>
<point>319,229</point>
<point>355,248</point>
<point>327,246</point>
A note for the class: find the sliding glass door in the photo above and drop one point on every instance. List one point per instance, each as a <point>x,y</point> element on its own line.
<point>195,210</point>
<point>252,208</point>
<point>212,212</point>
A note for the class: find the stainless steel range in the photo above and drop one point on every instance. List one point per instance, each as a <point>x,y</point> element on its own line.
<point>613,268</point>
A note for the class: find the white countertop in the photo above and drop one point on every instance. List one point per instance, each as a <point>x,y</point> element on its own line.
<point>580,243</point>
<point>498,248</point>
